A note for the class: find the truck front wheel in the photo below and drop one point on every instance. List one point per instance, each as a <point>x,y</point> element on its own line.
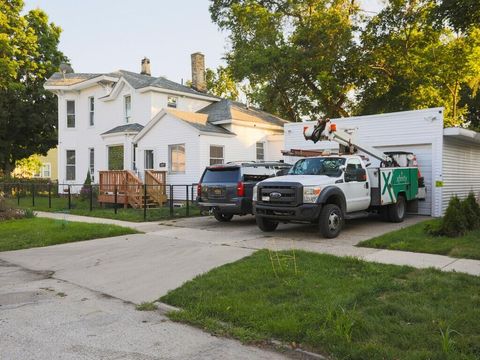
<point>330,221</point>
<point>397,211</point>
<point>266,225</point>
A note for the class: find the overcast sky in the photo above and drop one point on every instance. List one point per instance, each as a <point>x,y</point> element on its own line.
<point>107,35</point>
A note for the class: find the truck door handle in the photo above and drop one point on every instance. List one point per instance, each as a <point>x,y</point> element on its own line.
<point>366,185</point>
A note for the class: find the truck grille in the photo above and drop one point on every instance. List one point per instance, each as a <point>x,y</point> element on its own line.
<point>280,194</point>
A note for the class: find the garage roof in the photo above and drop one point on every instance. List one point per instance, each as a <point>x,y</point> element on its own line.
<point>462,134</point>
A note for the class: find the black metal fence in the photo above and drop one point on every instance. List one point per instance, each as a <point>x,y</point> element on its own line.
<point>124,202</point>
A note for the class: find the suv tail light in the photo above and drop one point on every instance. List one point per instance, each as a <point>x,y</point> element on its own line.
<point>240,189</point>
<point>199,190</point>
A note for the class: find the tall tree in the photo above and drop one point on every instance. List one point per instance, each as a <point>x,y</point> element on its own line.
<point>220,83</point>
<point>298,56</point>
<point>28,56</point>
<point>460,14</point>
<point>410,63</point>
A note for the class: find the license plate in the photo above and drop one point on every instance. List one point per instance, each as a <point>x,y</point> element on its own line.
<point>265,198</point>
<point>217,191</point>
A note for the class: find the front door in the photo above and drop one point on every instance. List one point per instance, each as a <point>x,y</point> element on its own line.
<point>357,191</point>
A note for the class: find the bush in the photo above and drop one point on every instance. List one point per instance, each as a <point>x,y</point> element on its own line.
<point>454,223</point>
<point>86,188</point>
<point>471,210</point>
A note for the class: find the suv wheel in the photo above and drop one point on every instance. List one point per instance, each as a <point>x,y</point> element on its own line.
<point>331,221</point>
<point>222,217</point>
<point>397,211</point>
<point>266,225</point>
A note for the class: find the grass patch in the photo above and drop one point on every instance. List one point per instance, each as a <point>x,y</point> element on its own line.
<point>82,207</point>
<point>415,238</point>
<point>343,307</point>
<point>146,306</point>
<point>38,232</point>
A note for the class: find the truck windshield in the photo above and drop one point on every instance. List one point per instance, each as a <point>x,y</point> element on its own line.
<point>318,166</point>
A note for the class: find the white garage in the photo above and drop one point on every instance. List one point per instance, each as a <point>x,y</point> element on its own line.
<point>448,158</point>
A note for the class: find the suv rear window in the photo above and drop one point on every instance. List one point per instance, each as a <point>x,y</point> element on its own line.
<point>221,175</point>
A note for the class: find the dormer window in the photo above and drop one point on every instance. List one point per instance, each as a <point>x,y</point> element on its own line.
<point>128,108</point>
<point>172,102</point>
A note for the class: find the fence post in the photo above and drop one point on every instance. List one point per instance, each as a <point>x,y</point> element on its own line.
<point>18,194</point>
<point>171,200</point>
<point>144,202</point>
<point>188,205</point>
<point>33,194</point>
<point>69,197</point>
<point>49,195</point>
<point>91,197</point>
<point>115,200</point>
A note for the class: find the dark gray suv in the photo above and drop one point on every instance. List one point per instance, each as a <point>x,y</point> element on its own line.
<point>227,190</point>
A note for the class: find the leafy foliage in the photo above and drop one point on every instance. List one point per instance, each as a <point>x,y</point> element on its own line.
<point>27,167</point>
<point>221,83</point>
<point>461,14</point>
<point>296,55</point>
<point>28,56</point>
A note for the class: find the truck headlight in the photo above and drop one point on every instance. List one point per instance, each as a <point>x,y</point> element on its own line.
<point>310,194</point>
<point>255,193</point>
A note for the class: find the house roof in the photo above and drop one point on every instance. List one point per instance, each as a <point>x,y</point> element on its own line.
<point>137,81</point>
<point>60,79</point>
<point>227,109</point>
<point>128,128</point>
<point>198,121</point>
<point>462,134</point>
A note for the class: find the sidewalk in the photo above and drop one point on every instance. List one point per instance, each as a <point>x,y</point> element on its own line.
<point>140,226</point>
<point>255,240</point>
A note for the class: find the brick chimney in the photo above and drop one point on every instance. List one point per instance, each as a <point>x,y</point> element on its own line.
<point>146,67</point>
<point>198,72</point>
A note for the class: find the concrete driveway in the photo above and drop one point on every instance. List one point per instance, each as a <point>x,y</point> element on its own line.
<point>142,267</point>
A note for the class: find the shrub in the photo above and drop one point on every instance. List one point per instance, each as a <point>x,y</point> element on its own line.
<point>86,188</point>
<point>454,223</point>
<point>3,207</point>
<point>471,210</point>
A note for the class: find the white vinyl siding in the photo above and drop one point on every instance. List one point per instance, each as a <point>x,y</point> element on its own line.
<point>461,170</point>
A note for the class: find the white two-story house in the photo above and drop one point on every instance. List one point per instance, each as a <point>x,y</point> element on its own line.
<point>134,121</point>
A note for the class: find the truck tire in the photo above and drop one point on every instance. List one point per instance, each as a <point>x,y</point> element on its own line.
<point>397,211</point>
<point>331,221</point>
<point>266,225</point>
<point>222,217</point>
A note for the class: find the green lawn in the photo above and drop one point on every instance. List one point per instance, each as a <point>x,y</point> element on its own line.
<point>82,207</point>
<point>37,232</point>
<point>341,307</point>
<point>414,238</point>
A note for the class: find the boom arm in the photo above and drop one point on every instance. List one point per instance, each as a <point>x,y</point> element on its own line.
<point>326,130</point>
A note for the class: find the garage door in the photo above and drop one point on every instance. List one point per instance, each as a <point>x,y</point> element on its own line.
<point>424,158</point>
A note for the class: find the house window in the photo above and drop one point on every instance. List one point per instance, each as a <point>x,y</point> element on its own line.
<point>128,108</point>
<point>46,170</point>
<point>216,155</point>
<point>148,159</point>
<point>115,157</point>
<point>91,110</point>
<point>172,101</point>
<point>91,162</point>
<point>70,113</point>
<point>177,158</point>
<point>70,170</point>
<point>260,151</point>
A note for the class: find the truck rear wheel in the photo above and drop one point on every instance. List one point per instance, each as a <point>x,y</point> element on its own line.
<point>397,211</point>
<point>222,217</point>
<point>266,225</point>
<point>331,221</point>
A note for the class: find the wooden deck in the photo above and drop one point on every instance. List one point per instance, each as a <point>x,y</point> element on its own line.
<point>126,188</point>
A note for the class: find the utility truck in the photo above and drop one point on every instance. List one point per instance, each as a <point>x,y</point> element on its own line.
<point>328,189</point>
